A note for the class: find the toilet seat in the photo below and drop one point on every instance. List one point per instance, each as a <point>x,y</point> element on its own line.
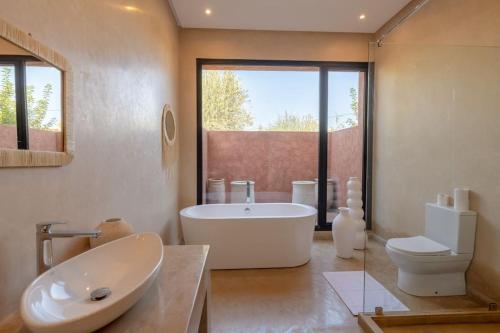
<point>418,246</point>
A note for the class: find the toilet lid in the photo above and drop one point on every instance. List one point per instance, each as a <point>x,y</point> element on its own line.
<point>418,245</point>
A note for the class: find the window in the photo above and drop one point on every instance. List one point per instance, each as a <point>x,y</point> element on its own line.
<point>30,104</point>
<point>294,129</point>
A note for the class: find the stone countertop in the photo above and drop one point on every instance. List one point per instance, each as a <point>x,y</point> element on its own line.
<point>175,303</point>
<point>170,304</point>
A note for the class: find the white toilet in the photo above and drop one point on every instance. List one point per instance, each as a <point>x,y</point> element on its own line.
<point>435,264</point>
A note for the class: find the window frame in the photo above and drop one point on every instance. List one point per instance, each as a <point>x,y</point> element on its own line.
<point>324,68</point>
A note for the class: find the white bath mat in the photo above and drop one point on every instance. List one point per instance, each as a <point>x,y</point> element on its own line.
<point>349,286</point>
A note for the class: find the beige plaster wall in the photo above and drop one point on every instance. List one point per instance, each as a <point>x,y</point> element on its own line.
<point>437,85</point>
<point>239,44</point>
<point>125,69</point>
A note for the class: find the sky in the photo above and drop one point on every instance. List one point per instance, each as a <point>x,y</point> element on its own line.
<point>273,92</point>
<point>39,77</point>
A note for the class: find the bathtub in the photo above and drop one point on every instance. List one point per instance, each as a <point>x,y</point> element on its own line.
<point>258,235</point>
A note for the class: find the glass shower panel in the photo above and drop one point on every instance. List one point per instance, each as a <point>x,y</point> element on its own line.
<point>436,129</point>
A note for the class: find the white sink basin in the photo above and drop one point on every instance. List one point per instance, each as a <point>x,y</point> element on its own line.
<point>59,300</point>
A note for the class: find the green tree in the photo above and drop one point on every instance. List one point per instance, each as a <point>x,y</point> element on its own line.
<point>353,93</point>
<point>7,97</point>
<point>224,102</point>
<point>351,119</point>
<point>37,109</point>
<point>291,123</point>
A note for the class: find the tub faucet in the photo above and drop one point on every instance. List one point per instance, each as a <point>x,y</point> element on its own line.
<point>249,200</point>
<point>44,233</point>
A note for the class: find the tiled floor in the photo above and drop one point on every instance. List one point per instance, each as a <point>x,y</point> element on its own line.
<point>300,299</point>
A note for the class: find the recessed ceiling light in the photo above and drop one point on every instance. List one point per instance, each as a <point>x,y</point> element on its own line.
<point>208,11</point>
<point>362,16</point>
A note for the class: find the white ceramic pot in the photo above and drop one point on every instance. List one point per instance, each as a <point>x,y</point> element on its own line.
<point>303,192</point>
<point>239,191</point>
<point>216,191</point>
<point>360,237</point>
<point>111,229</point>
<point>344,233</point>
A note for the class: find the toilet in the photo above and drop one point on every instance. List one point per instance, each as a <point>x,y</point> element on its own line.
<point>435,264</point>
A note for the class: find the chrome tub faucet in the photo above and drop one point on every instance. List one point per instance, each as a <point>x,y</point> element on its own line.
<point>249,198</point>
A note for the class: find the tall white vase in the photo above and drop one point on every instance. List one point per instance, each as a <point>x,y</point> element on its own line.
<point>303,192</point>
<point>355,204</point>
<point>344,233</point>
<point>216,191</point>
<point>239,191</point>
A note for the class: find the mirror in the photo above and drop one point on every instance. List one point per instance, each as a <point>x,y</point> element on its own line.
<point>169,125</point>
<point>34,115</point>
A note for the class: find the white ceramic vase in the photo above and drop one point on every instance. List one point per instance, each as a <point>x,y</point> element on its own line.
<point>355,204</point>
<point>354,184</point>
<point>344,233</point>
<point>303,192</point>
<point>239,191</point>
<point>360,237</point>
<point>216,191</point>
<point>111,229</point>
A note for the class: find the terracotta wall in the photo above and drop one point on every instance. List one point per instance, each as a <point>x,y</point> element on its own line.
<point>274,159</point>
<point>40,140</point>
<point>125,69</point>
<point>345,159</point>
<point>436,122</point>
<point>238,44</point>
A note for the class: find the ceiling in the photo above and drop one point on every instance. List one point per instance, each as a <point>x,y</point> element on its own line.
<point>288,15</point>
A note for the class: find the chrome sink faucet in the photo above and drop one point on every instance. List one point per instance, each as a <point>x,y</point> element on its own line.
<point>44,236</point>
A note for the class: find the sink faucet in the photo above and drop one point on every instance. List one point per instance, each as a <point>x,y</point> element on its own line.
<point>44,233</point>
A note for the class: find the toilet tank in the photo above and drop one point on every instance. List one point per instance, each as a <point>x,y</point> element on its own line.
<point>450,227</point>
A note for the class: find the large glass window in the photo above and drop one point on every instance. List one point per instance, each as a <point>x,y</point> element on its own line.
<point>31,107</point>
<point>345,135</point>
<point>261,126</point>
<point>44,106</point>
<point>8,121</point>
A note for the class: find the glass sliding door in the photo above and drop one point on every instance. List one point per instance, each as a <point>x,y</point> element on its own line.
<point>345,124</point>
<point>290,131</point>
<point>260,124</point>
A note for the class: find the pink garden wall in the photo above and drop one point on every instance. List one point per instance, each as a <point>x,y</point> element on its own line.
<point>274,159</point>
<point>40,140</point>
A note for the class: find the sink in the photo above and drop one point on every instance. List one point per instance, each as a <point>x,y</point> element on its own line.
<point>116,274</point>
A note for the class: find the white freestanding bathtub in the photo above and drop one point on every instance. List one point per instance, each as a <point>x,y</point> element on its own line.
<point>258,235</point>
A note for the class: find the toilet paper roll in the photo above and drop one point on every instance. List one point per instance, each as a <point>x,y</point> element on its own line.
<point>443,200</point>
<point>461,199</point>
